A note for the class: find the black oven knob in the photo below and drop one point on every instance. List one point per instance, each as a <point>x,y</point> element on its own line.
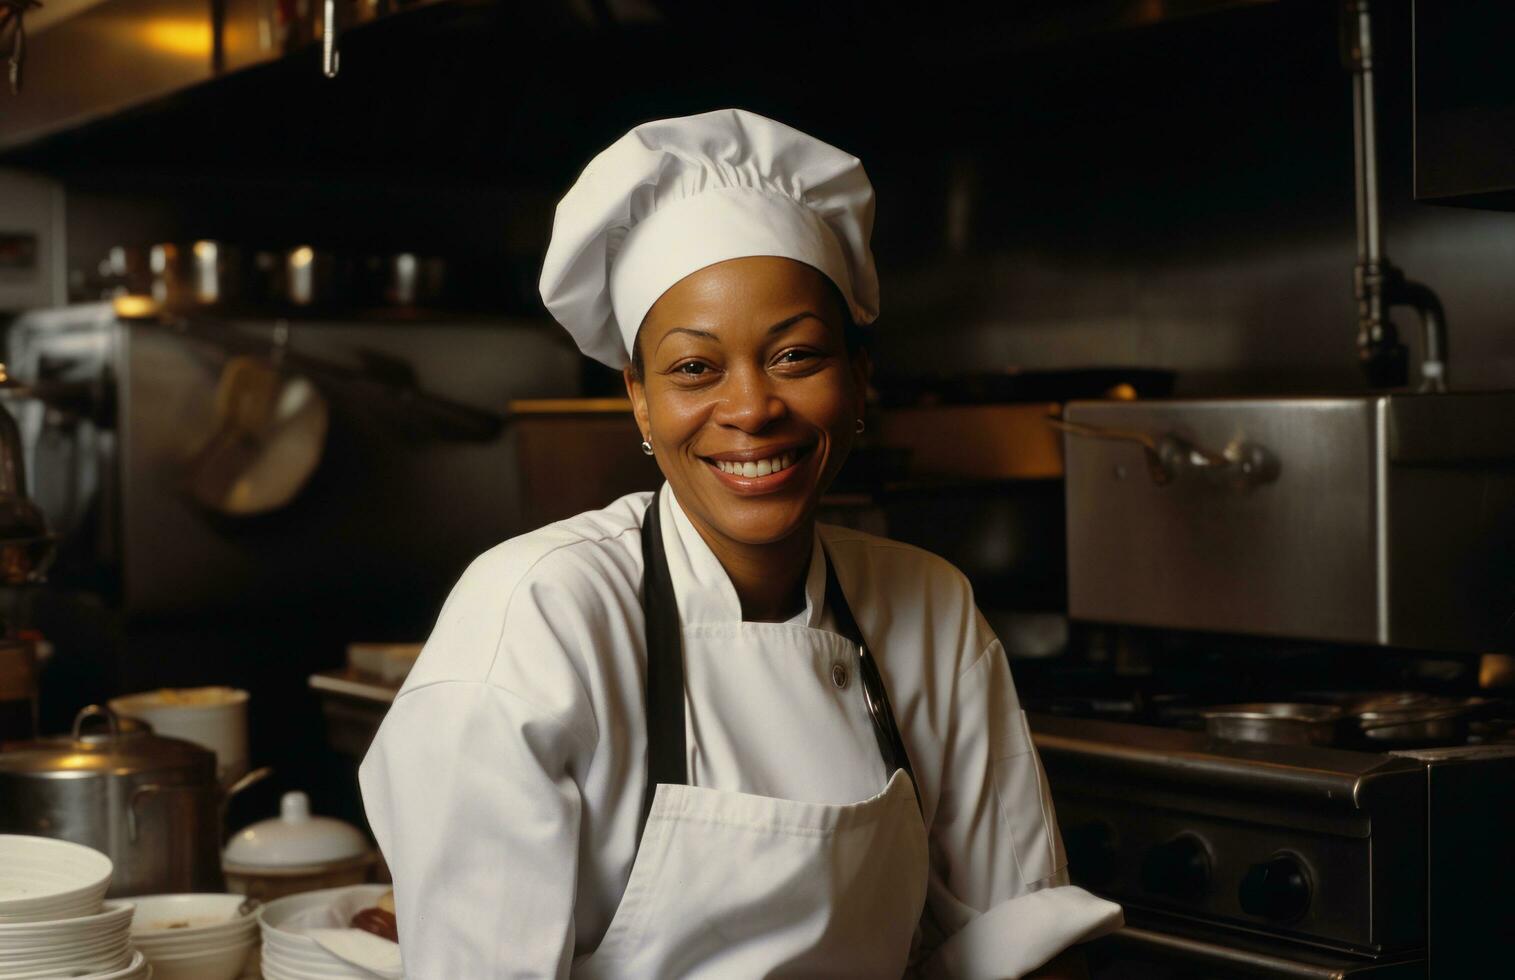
<point>1091,853</point>
<point>1179,868</point>
<point>1277,889</point>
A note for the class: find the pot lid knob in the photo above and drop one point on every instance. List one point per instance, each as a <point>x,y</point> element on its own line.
<point>294,807</point>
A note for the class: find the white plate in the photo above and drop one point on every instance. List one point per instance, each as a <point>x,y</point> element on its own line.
<point>81,967</point>
<point>217,964</point>
<point>279,971</point>
<point>139,969</point>
<point>50,878</point>
<point>294,956</point>
<point>314,958</point>
<point>168,946</point>
<point>64,955</point>
<point>273,915</point>
<point>115,919</point>
<point>11,951</point>
<point>203,915</point>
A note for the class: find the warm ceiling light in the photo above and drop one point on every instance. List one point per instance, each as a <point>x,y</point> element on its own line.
<point>135,307</point>
<point>189,38</point>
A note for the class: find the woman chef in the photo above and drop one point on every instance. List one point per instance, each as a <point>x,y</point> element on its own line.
<point>697,733</point>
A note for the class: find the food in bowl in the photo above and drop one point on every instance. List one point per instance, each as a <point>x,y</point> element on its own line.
<point>379,918</point>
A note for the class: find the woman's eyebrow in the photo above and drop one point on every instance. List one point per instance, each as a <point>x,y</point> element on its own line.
<point>783,325</point>
<point>689,330</point>
<point>779,327</point>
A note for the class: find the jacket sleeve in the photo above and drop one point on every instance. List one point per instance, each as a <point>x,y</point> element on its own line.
<point>472,803</point>
<point>998,897</point>
<point>472,790</point>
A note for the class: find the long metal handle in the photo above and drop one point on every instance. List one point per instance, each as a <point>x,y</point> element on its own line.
<point>1184,949</point>
<point>1241,465</point>
<point>331,58</point>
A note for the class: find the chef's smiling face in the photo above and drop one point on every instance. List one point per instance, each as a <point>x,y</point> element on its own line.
<point>749,394</point>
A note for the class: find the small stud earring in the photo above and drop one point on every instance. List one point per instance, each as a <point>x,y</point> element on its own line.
<point>861,425</point>
<point>646,447</point>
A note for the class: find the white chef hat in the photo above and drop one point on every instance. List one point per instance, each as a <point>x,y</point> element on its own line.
<point>676,195</point>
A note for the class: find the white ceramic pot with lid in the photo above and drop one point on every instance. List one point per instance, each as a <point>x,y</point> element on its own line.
<point>296,852</point>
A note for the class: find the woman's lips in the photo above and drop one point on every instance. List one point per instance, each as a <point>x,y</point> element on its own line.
<point>766,474</point>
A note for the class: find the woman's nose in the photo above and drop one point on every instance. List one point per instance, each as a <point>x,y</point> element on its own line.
<point>750,403</point>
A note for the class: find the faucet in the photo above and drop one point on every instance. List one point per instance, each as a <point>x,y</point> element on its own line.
<point>1380,286</point>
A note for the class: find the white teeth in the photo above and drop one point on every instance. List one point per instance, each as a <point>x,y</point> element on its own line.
<point>762,467</point>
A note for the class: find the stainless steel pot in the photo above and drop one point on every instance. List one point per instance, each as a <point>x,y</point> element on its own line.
<point>1278,723</point>
<point>151,803</point>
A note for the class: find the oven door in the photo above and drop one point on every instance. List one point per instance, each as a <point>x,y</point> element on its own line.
<point>1158,948</point>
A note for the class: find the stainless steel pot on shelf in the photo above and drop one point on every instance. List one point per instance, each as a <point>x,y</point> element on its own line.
<point>151,803</point>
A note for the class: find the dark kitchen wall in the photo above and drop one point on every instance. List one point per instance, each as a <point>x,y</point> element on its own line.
<point>1182,197</point>
<point>1176,195</point>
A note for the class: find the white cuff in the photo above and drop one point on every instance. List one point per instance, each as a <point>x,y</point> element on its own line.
<point>1020,934</point>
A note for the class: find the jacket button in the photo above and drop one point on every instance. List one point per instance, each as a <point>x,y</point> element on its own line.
<point>839,676</point>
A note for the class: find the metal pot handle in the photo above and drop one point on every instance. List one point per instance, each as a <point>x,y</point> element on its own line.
<point>245,781</point>
<point>146,789</point>
<point>96,711</point>
<point>149,789</point>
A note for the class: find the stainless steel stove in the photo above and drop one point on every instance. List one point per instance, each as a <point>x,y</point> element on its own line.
<point>1237,859</point>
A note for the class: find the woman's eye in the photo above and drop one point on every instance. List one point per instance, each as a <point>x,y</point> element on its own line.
<point>691,369</point>
<point>795,356</point>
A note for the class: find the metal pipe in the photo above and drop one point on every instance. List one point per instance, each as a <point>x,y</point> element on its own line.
<point>331,57</point>
<point>1369,230</point>
<point>1381,354</point>
<point>1378,284</point>
<point>1433,321</point>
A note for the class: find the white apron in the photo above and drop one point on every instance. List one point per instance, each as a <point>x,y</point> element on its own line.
<point>734,885</point>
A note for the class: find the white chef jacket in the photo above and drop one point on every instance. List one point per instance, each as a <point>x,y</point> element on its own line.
<point>505,784</point>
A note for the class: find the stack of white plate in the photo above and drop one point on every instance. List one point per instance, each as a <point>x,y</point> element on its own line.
<point>44,880</point>
<point>194,937</point>
<point>289,954</point>
<point>90,945</point>
<point>53,920</point>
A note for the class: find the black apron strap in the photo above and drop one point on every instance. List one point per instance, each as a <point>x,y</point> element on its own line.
<point>891,745</point>
<point>667,761</point>
<point>667,758</point>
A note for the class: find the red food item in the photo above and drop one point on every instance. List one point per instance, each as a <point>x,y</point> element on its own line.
<point>378,922</point>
